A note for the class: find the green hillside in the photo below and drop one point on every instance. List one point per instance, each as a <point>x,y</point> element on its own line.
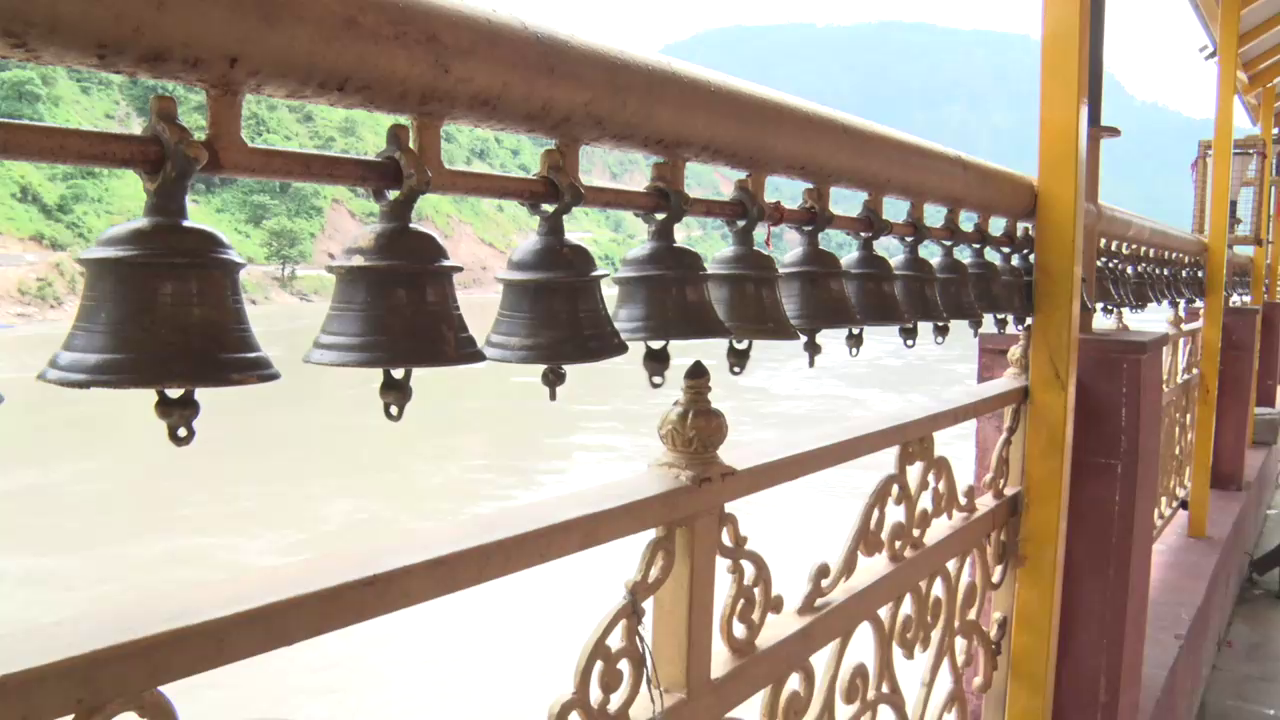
<point>971,90</point>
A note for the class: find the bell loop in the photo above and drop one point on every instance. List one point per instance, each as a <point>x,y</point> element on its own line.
<point>395,393</point>
<point>553,376</point>
<point>940,332</point>
<point>415,178</point>
<point>754,212</point>
<point>657,360</point>
<point>738,357</point>
<point>179,415</point>
<point>879,226</point>
<point>853,341</point>
<point>662,229</point>
<point>818,201</point>
<point>569,191</point>
<point>167,189</point>
<point>909,334</point>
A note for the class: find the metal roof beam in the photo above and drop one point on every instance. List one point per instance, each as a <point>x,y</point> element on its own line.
<point>1259,31</point>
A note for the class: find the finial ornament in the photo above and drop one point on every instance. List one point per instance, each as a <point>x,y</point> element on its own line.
<point>693,430</point>
<point>1019,354</point>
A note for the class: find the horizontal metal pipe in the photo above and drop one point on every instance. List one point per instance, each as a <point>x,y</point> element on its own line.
<point>32,142</point>
<point>443,60</point>
<point>1118,225</point>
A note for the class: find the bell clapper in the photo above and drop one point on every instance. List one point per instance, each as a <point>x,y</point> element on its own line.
<point>179,413</point>
<point>940,332</point>
<point>811,346</point>
<point>1019,323</point>
<point>853,341</point>
<point>976,326</point>
<point>395,393</point>
<point>657,359</point>
<point>553,376</point>
<point>909,334</point>
<point>1002,324</point>
<point>738,356</point>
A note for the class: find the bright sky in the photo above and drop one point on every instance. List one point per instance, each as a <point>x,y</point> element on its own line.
<point>1151,45</point>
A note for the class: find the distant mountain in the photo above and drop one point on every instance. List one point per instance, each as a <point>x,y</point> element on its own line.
<point>972,90</point>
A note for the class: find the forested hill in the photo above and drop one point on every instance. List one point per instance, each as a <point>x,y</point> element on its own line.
<point>971,90</point>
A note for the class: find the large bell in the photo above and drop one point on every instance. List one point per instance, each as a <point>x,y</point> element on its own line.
<point>812,282</point>
<point>744,286</point>
<point>394,304</point>
<point>552,310</point>
<point>916,284</point>
<point>869,278</point>
<point>1012,287</point>
<point>955,288</point>
<point>1104,296</point>
<point>1022,260</point>
<point>984,280</point>
<point>162,306</point>
<point>662,288</point>
<point>1139,285</point>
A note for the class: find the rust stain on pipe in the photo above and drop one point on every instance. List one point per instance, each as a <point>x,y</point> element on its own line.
<point>424,57</point>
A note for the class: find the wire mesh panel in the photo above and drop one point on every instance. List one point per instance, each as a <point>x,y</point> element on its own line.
<point>1246,206</point>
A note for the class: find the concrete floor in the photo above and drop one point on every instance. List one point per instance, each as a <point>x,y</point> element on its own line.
<point>1245,682</point>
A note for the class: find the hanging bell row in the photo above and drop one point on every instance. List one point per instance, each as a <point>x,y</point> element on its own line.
<point>1131,279</point>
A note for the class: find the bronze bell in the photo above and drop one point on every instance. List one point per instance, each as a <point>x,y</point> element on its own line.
<point>1104,296</point>
<point>662,287</point>
<point>869,281</point>
<point>744,286</point>
<point>1139,286</point>
<point>812,282</point>
<point>1022,260</point>
<point>984,280</point>
<point>394,304</point>
<point>552,310</point>
<point>1012,287</point>
<point>955,287</point>
<point>917,286</point>
<point>162,306</point>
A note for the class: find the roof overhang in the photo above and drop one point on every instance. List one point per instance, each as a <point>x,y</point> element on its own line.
<point>1258,61</point>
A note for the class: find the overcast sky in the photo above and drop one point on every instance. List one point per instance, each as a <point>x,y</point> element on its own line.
<point>1151,44</point>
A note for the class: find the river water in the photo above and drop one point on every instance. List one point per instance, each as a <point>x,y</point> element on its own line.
<point>100,519</point>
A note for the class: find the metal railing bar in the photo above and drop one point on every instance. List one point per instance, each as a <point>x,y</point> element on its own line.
<point>40,143</point>
<point>445,60</point>
<point>52,671</point>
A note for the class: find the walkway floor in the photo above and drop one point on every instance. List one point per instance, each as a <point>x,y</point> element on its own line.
<point>1245,683</point>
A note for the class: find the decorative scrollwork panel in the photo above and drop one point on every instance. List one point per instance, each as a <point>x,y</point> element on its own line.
<point>1177,426</point>
<point>750,599</point>
<point>614,665</point>
<point>897,515</point>
<point>940,640</point>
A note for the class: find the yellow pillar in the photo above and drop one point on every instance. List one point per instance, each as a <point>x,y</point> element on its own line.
<point>1262,259</point>
<point>1257,281</point>
<point>1054,344</point>
<point>1215,266</point>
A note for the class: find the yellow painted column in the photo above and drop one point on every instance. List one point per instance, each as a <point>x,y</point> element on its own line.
<point>1215,266</point>
<point>1266,112</point>
<point>1257,281</point>
<point>1054,345</point>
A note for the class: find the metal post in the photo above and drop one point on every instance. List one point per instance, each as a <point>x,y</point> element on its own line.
<point>1054,345</point>
<point>1215,266</point>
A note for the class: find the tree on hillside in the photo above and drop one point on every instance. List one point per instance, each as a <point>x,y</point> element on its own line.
<point>287,245</point>
<point>22,96</point>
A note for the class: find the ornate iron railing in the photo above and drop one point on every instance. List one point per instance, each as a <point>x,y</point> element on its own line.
<point>926,570</point>
<point>1177,419</point>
